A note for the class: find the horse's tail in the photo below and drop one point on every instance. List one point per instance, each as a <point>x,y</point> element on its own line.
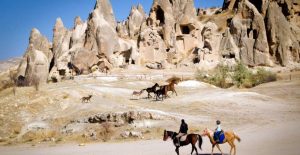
<point>237,137</point>
<point>200,142</point>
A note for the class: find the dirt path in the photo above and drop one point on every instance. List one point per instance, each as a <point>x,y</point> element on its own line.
<point>268,140</point>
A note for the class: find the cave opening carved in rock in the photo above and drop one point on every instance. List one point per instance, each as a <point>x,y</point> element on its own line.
<point>257,4</point>
<point>160,15</point>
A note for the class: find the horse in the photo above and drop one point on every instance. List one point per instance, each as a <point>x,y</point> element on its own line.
<point>230,136</point>
<point>190,139</point>
<point>137,93</point>
<point>151,90</point>
<point>169,87</point>
<point>160,92</point>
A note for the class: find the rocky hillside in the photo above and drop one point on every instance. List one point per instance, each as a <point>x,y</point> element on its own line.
<point>175,33</point>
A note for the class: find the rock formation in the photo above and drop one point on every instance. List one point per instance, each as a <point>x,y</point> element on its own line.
<point>255,32</point>
<point>36,61</point>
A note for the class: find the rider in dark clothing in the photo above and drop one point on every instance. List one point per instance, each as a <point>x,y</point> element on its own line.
<point>183,127</point>
<point>182,131</point>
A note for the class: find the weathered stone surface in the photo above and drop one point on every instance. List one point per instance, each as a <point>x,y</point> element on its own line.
<point>248,31</point>
<point>135,20</point>
<point>36,61</point>
<point>284,47</point>
<point>101,32</point>
<point>255,32</point>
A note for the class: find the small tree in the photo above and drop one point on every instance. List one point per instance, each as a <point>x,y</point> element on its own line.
<point>242,76</point>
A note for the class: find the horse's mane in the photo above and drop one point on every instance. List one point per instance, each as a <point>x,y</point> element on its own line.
<point>173,79</point>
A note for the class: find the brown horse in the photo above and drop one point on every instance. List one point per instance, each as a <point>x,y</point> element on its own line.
<point>190,139</point>
<point>171,86</point>
<point>230,136</point>
<point>163,90</point>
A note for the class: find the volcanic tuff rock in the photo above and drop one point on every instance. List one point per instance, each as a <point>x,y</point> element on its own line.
<point>255,32</point>
<point>36,61</point>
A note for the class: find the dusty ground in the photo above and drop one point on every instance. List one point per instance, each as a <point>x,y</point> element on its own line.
<point>53,119</point>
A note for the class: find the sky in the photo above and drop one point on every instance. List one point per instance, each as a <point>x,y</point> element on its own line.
<point>18,17</point>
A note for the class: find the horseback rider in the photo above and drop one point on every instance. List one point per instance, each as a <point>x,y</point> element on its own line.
<point>218,131</point>
<point>182,131</point>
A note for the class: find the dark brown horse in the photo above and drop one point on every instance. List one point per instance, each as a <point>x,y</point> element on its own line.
<point>163,90</point>
<point>190,139</point>
<point>151,89</point>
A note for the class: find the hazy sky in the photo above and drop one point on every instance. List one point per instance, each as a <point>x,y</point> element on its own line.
<point>18,17</point>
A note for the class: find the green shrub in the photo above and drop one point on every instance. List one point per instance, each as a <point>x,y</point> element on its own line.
<point>216,77</point>
<point>241,76</point>
<point>263,76</point>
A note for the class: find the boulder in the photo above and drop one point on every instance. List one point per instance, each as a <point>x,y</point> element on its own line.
<point>37,69</point>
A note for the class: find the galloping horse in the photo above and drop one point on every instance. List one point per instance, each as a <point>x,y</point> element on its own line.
<point>151,89</point>
<point>171,87</point>
<point>190,139</point>
<point>230,136</point>
<point>163,90</point>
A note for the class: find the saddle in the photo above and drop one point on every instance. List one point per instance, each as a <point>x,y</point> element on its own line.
<point>183,138</point>
<point>219,137</point>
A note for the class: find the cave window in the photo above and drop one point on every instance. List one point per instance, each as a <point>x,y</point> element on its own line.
<point>257,4</point>
<point>171,1</point>
<point>160,15</point>
<point>196,60</point>
<point>230,56</point>
<point>228,21</point>
<point>185,29</point>
<point>284,9</point>
<point>62,72</point>
<point>255,34</point>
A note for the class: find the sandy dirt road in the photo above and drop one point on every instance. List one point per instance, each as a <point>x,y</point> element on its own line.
<point>268,140</point>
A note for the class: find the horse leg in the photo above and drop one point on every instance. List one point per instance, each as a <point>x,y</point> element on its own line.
<point>175,92</point>
<point>231,147</point>
<point>212,149</point>
<point>219,149</point>
<point>196,149</point>
<point>192,149</point>
<point>234,148</point>
<point>177,150</point>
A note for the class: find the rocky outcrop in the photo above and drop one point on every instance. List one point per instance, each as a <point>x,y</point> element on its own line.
<point>248,30</point>
<point>284,45</point>
<point>101,34</point>
<point>135,20</point>
<point>36,61</point>
<point>255,32</point>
